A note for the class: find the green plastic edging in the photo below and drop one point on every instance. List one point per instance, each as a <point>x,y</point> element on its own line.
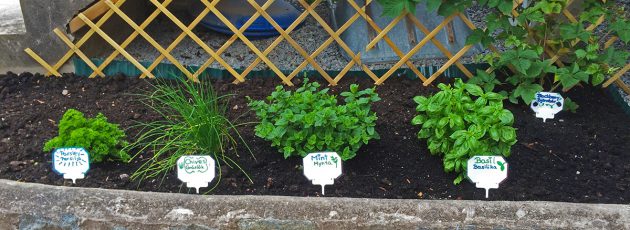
<point>618,98</point>
<point>166,69</point>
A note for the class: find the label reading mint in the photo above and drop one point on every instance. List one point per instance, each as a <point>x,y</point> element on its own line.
<point>322,168</point>
<point>547,105</point>
<point>195,171</point>
<point>72,163</point>
<point>487,171</point>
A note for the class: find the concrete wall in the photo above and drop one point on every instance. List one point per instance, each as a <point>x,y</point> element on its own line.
<point>40,18</point>
<point>35,206</point>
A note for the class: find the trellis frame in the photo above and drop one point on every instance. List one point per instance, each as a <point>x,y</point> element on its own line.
<point>285,35</point>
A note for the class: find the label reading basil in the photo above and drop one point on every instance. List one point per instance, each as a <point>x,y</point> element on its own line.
<point>487,171</point>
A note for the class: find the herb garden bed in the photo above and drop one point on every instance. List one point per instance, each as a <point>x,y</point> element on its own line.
<point>581,157</point>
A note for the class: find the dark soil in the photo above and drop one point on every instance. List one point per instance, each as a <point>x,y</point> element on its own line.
<point>582,157</point>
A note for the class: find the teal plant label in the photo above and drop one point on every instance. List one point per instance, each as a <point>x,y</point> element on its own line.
<point>487,171</point>
<point>72,163</point>
<point>547,105</point>
<point>196,171</point>
<point>322,168</point>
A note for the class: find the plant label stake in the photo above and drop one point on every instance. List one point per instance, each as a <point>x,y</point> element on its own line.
<point>195,171</point>
<point>322,168</point>
<point>547,104</point>
<point>487,171</point>
<point>72,163</point>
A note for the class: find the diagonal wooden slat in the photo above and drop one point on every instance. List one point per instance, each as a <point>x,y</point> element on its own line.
<point>150,40</point>
<point>292,42</point>
<point>115,45</point>
<point>77,51</point>
<point>249,44</point>
<point>439,44</point>
<point>131,38</point>
<point>623,86</point>
<point>325,45</point>
<point>356,59</point>
<point>417,48</point>
<point>385,31</point>
<point>392,45</point>
<point>231,41</point>
<point>193,36</point>
<point>41,61</point>
<point>617,75</point>
<point>447,65</point>
<point>277,41</point>
<point>86,37</point>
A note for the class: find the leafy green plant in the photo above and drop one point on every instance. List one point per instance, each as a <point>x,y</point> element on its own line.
<point>102,140</point>
<point>538,32</point>
<point>193,122</point>
<point>532,39</point>
<point>309,120</point>
<point>462,121</point>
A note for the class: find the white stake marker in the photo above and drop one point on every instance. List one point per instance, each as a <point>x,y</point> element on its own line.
<point>322,168</point>
<point>487,171</point>
<point>547,105</point>
<point>195,171</point>
<point>72,163</point>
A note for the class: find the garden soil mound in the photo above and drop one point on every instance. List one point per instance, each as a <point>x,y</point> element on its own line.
<point>582,157</point>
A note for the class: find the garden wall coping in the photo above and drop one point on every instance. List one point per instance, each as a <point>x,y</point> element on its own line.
<point>36,206</point>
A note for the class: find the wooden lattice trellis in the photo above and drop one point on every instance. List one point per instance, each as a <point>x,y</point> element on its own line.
<point>309,58</point>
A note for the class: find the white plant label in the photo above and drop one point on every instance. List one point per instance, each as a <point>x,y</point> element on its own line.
<point>487,171</point>
<point>547,105</point>
<point>72,163</point>
<point>322,168</point>
<point>196,171</point>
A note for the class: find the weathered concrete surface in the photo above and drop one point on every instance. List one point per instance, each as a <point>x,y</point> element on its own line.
<point>35,206</point>
<point>40,18</point>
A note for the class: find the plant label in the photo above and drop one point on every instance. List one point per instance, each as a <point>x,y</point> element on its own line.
<point>547,105</point>
<point>72,163</point>
<point>487,171</point>
<point>322,168</point>
<point>195,171</point>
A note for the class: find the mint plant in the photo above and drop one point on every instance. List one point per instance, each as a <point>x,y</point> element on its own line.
<point>310,120</point>
<point>462,121</point>
<point>102,140</point>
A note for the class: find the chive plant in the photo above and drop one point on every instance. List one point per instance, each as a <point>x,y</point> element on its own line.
<point>193,122</point>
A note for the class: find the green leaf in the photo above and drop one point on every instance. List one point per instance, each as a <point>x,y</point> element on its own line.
<point>506,117</point>
<point>394,8</point>
<point>614,57</point>
<point>505,6</point>
<point>310,120</point>
<point>479,36</point>
<point>508,134</point>
<point>527,91</point>
<point>433,5</point>
<point>569,105</point>
<point>574,31</point>
<point>473,89</point>
<point>494,133</point>
<point>622,29</point>
<point>459,179</point>
<point>418,120</point>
